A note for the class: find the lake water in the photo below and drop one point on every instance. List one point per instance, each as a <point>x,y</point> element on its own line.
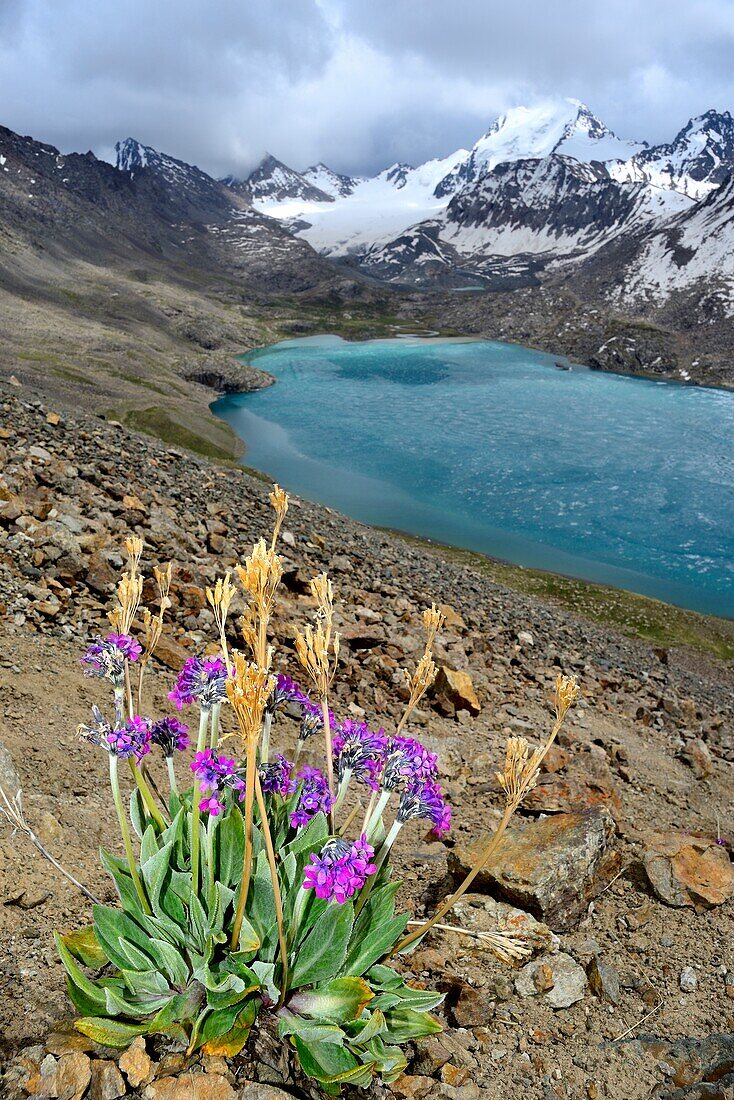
<point>491,447</point>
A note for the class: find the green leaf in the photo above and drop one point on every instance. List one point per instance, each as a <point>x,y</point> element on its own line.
<point>362,1031</point>
<point>111,926</point>
<point>311,1031</point>
<point>389,1061</point>
<point>154,871</point>
<point>337,1001</point>
<point>249,939</point>
<point>88,988</point>
<point>383,977</point>
<point>170,961</point>
<point>310,839</point>
<point>225,1032</point>
<point>82,1003</point>
<point>405,1023</point>
<point>265,974</point>
<point>231,834</point>
<point>322,953</point>
<point>109,1033</point>
<point>148,845</point>
<point>331,1064</point>
<point>84,945</point>
<point>378,941</point>
<point>137,813</point>
<point>422,1000</point>
<point>147,983</point>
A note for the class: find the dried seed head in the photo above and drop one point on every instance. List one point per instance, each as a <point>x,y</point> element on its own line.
<point>425,672</point>
<point>248,628</point>
<point>129,594</point>
<point>279,500</point>
<point>220,597</point>
<point>566,693</point>
<point>505,944</point>
<point>163,575</point>
<point>521,770</point>
<point>433,620</point>
<point>248,690</point>
<point>134,547</point>
<point>315,648</point>
<point>260,576</point>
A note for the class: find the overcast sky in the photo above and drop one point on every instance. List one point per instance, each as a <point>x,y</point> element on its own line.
<point>355,83</point>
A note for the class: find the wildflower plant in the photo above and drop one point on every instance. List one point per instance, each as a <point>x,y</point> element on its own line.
<point>265,886</point>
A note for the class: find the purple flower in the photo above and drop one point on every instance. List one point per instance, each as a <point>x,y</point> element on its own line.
<point>130,739</point>
<point>216,774</point>
<point>275,777</point>
<point>105,657</point>
<point>170,734</point>
<point>425,799</point>
<point>359,752</point>
<point>200,681</point>
<point>286,691</point>
<point>312,720</point>
<point>313,798</point>
<point>408,761</point>
<point>98,731</point>
<point>340,869</point>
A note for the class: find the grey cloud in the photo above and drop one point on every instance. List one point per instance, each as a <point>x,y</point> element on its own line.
<point>357,83</point>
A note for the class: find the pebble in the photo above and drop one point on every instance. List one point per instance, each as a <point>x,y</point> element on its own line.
<point>688,980</point>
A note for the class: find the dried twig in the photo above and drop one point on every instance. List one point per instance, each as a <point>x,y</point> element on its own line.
<point>12,811</point>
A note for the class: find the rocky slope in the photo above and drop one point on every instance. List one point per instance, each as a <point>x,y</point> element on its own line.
<point>627,944</point>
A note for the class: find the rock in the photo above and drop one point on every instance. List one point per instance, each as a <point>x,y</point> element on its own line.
<point>413,1087</point>
<point>437,1050</point>
<point>135,1063</point>
<point>687,870</point>
<point>8,775</point>
<point>525,638</point>
<point>452,618</point>
<point>552,867</point>
<point>193,1086</point>
<point>587,782</point>
<point>604,981</point>
<point>170,653</point>
<point>688,980</point>
<point>690,1063</point>
<point>482,913</point>
<point>457,688</point>
<point>99,575</point>
<point>469,1009</point>
<point>107,1082</point>
<point>363,636</point>
<point>559,979</point>
<point>697,756</point>
<point>72,1076</point>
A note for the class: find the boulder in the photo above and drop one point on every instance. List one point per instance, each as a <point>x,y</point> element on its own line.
<point>457,688</point>
<point>688,870</point>
<point>552,867</point>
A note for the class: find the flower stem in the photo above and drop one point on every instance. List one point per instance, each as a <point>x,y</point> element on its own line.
<point>265,826</point>
<point>127,842</point>
<point>343,788</point>
<point>376,815</point>
<point>171,775</point>
<point>214,733</point>
<point>251,769</point>
<point>195,811</point>
<point>489,850</point>
<point>381,857</point>
<point>329,755</point>
<point>210,827</point>
<point>265,740</point>
<point>146,795</point>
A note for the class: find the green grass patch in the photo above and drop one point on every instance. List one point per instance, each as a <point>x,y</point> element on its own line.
<point>633,615</point>
<point>158,422</point>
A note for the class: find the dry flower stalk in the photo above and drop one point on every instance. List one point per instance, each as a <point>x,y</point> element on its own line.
<point>519,776</point>
<point>425,671</point>
<point>260,577</point>
<point>504,944</point>
<point>153,624</point>
<point>317,649</point>
<point>279,500</point>
<point>219,598</point>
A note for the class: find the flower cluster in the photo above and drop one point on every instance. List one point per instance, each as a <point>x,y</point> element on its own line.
<point>170,735</point>
<point>287,691</point>
<point>313,796</point>
<point>275,777</point>
<point>407,761</point>
<point>200,681</point>
<point>105,658</point>
<point>130,739</point>
<point>215,775</point>
<point>359,752</point>
<point>425,800</point>
<point>340,869</point>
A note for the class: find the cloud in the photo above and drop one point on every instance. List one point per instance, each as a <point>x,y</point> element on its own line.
<point>356,84</point>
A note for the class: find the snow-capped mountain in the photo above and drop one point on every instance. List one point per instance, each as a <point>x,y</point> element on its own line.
<point>274,182</point>
<point>693,249</point>
<point>541,211</point>
<point>525,133</point>
<point>329,182</point>
<point>187,187</point>
<point>699,158</point>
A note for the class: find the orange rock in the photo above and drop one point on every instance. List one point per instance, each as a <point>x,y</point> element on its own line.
<point>135,1063</point>
<point>457,687</point>
<point>191,1086</point>
<point>688,870</point>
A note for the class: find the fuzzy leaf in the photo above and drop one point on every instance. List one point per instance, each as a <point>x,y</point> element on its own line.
<point>383,977</point>
<point>336,1002</point>
<point>111,926</point>
<point>364,953</point>
<point>405,1023</point>
<point>88,988</point>
<point>231,835</point>
<point>137,813</point>
<point>362,1031</point>
<point>84,945</point>
<point>310,839</point>
<point>154,871</point>
<point>311,1031</point>
<point>109,1033</point>
<point>230,1043</point>
<point>170,961</point>
<point>389,1061</point>
<point>322,953</point>
<point>330,1063</point>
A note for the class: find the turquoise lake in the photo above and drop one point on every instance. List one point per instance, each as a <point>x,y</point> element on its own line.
<point>491,447</point>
